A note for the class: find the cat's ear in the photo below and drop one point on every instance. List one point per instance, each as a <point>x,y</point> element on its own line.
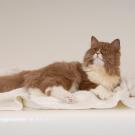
<point>94,41</point>
<point>116,44</point>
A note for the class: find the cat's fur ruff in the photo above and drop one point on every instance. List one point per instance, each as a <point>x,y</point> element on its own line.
<point>72,75</point>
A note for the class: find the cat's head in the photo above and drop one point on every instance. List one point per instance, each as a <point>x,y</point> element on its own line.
<point>104,53</point>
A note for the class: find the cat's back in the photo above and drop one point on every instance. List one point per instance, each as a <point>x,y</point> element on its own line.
<point>62,67</point>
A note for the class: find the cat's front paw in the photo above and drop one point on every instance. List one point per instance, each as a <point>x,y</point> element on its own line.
<point>102,93</point>
<point>105,95</point>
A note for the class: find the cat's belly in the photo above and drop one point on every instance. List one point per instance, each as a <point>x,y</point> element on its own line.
<point>98,75</point>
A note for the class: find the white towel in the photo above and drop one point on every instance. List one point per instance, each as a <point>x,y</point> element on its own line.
<point>21,98</point>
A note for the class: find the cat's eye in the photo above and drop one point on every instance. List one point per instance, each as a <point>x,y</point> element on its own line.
<point>95,49</point>
<point>102,52</point>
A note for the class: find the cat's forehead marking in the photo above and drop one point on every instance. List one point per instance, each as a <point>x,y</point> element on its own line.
<point>105,46</point>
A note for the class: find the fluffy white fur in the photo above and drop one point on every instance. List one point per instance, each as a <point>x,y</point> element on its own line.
<point>98,75</point>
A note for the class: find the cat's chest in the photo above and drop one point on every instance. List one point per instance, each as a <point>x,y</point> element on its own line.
<point>98,75</point>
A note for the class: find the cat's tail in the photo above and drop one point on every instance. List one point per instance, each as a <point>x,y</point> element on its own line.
<point>10,82</point>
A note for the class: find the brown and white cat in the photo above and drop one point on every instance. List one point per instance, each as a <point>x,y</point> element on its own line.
<point>99,72</point>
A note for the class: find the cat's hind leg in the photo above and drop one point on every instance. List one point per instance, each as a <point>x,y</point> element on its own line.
<point>60,93</point>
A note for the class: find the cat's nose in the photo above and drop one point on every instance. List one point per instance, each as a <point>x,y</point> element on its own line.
<point>97,53</point>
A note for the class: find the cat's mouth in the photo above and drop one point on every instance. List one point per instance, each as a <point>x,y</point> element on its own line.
<point>98,60</point>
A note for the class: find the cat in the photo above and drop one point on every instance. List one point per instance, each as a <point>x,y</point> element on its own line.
<point>98,72</point>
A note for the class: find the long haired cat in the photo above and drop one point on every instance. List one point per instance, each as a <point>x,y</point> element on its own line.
<point>99,70</point>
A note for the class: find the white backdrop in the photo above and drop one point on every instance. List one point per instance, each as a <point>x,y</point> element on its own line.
<point>34,33</point>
